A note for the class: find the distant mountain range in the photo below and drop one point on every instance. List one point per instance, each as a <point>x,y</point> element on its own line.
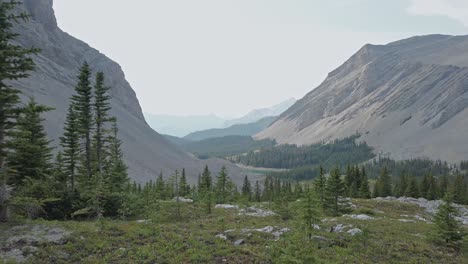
<point>234,130</point>
<point>408,98</point>
<point>181,126</point>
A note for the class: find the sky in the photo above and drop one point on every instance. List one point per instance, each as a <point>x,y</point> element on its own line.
<point>227,57</point>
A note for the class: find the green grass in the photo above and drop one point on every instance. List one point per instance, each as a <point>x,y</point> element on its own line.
<point>191,239</point>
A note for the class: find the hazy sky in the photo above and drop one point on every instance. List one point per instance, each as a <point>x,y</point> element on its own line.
<point>186,57</point>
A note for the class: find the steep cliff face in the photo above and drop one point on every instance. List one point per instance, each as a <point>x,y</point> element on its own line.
<point>408,98</point>
<point>146,152</point>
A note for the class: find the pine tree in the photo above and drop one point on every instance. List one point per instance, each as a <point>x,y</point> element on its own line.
<point>459,190</point>
<point>247,189</point>
<point>364,191</point>
<point>310,212</point>
<point>334,192</point>
<point>160,187</point>
<point>117,174</point>
<point>206,189</point>
<point>383,186</point>
<point>31,155</point>
<point>320,185</point>
<point>402,186</point>
<point>82,104</point>
<point>412,190</point>
<point>258,192</point>
<point>101,117</point>
<point>184,187</point>
<point>221,186</point>
<point>15,63</point>
<point>70,143</point>
<point>448,229</point>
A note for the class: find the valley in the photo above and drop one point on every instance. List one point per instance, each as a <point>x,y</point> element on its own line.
<point>371,166</point>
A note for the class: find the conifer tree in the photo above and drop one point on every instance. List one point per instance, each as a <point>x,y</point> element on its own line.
<point>160,187</point>
<point>117,174</point>
<point>459,190</point>
<point>70,143</point>
<point>402,185</point>
<point>448,229</point>
<point>82,104</point>
<point>31,155</point>
<point>221,186</point>
<point>443,186</point>
<point>15,63</point>
<point>101,117</point>
<point>383,186</point>
<point>247,189</point>
<point>206,190</point>
<point>412,190</point>
<point>258,192</point>
<point>310,212</point>
<point>334,192</point>
<point>184,188</point>
<point>364,191</point>
<point>320,185</point>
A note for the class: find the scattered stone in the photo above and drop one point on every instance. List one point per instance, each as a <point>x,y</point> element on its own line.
<point>239,242</point>
<point>329,220</point>
<point>182,200</point>
<point>255,211</point>
<point>226,206</point>
<point>354,231</point>
<point>360,217</point>
<point>418,217</point>
<point>316,227</point>
<point>143,221</point>
<point>406,220</point>
<point>339,228</point>
<point>222,236</point>
<point>319,238</point>
<point>430,207</point>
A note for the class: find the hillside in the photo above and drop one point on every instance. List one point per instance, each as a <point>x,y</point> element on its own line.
<point>408,98</point>
<point>146,152</point>
<point>249,129</point>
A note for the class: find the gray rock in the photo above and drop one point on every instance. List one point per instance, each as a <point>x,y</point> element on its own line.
<point>354,231</point>
<point>227,206</point>
<point>239,242</point>
<point>255,211</point>
<point>182,200</point>
<point>360,217</point>
<point>221,236</point>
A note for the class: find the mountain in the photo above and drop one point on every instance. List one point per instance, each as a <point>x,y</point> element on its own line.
<point>235,130</point>
<point>257,114</point>
<point>180,126</point>
<point>146,152</point>
<point>408,98</point>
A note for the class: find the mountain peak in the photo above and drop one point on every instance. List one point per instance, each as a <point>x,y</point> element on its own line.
<point>42,11</point>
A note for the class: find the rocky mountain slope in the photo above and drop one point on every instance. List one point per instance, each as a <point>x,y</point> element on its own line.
<point>146,152</point>
<point>408,98</point>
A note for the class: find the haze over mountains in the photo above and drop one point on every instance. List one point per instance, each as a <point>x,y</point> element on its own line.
<point>147,153</point>
<point>181,126</point>
<point>408,98</point>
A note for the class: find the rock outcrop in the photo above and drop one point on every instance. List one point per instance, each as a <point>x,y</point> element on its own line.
<point>408,98</point>
<point>146,152</point>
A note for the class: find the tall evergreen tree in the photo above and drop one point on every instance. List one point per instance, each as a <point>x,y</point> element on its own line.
<point>31,155</point>
<point>183,186</point>
<point>310,212</point>
<point>459,190</point>
<point>247,189</point>
<point>160,187</point>
<point>413,189</point>
<point>320,186</point>
<point>101,117</point>
<point>70,143</point>
<point>15,63</point>
<point>82,103</point>
<point>258,192</point>
<point>221,186</point>
<point>117,169</point>
<point>364,191</point>
<point>383,186</point>
<point>334,192</point>
<point>206,190</point>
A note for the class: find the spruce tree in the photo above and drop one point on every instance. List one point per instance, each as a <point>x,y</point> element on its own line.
<point>206,190</point>
<point>364,191</point>
<point>258,192</point>
<point>247,189</point>
<point>117,170</point>
<point>448,230</point>
<point>101,117</point>
<point>184,188</point>
<point>459,190</point>
<point>221,186</point>
<point>334,190</point>
<point>15,63</point>
<point>31,155</point>
<point>82,104</point>
<point>413,189</point>
<point>160,187</point>
<point>70,143</point>
<point>310,212</point>
<point>383,186</point>
<point>320,185</point>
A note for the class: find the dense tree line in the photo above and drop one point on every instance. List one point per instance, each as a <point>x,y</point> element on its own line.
<point>88,175</point>
<point>339,152</point>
